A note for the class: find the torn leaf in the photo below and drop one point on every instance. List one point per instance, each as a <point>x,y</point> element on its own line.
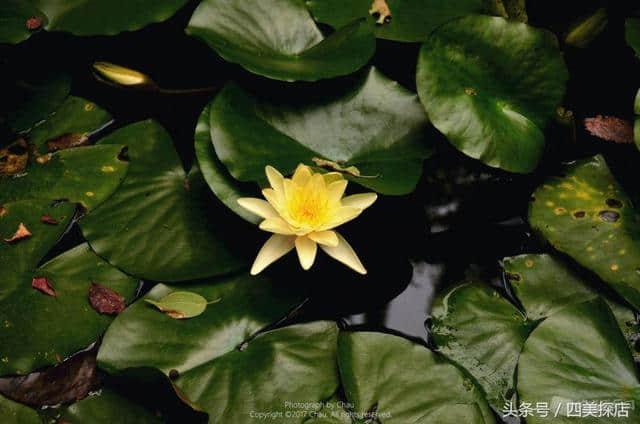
<point>105,300</point>
<point>48,220</point>
<point>181,304</point>
<point>610,128</point>
<point>44,285</point>
<point>21,233</point>
<point>14,158</point>
<point>67,141</point>
<point>380,9</point>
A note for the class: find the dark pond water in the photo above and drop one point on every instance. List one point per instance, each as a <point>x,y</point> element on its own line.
<point>462,219</point>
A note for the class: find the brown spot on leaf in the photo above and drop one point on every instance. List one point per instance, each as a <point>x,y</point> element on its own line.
<point>105,300</point>
<point>3,211</point>
<point>187,184</point>
<point>48,220</point>
<point>33,23</point>
<point>610,128</point>
<point>14,158</point>
<point>67,141</point>
<point>175,314</point>
<point>609,216</point>
<point>381,11</point>
<point>173,374</point>
<point>21,233</point>
<point>512,277</point>
<point>44,285</point>
<point>42,159</point>
<point>579,214</point>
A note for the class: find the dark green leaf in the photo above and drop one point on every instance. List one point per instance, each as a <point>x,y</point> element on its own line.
<point>586,215</point>
<point>376,126</point>
<point>490,85</point>
<point>578,355</point>
<point>278,39</point>
<point>406,383</point>
<point>15,23</point>
<point>412,20</point>
<point>15,413</point>
<point>159,224</point>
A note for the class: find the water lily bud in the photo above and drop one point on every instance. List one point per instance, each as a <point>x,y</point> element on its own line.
<point>586,30</point>
<point>122,76</point>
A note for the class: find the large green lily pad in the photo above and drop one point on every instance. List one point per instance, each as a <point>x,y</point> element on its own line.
<point>406,383</point>
<point>86,175</point>
<point>481,331</point>
<point>412,20</point>
<point>376,126</point>
<point>107,406</point>
<point>15,413</point>
<point>83,17</point>
<point>578,355</point>
<point>586,215</point>
<point>490,85</point>
<point>278,39</point>
<point>160,223</point>
<point>223,185</point>
<point>545,285</point>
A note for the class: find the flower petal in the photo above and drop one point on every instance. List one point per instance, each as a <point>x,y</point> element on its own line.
<point>307,250</point>
<point>276,247</point>
<point>259,207</point>
<point>276,225</point>
<point>330,177</point>
<point>275,178</point>
<point>328,238</point>
<point>344,253</point>
<point>336,190</point>
<point>360,201</point>
<point>302,175</point>
<point>342,215</point>
<point>274,198</point>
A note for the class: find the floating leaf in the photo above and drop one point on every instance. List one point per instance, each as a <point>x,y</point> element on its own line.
<point>587,29</point>
<point>20,234</point>
<point>284,42</point>
<point>153,213</point>
<point>181,304</point>
<point>491,85</point>
<point>44,285</point>
<point>375,125</point>
<point>484,333</point>
<point>413,20</point>
<point>632,33</point>
<point>578,355</point>
<point>610,128</point>
<point>227,189</point>
<point>404,382</point>
<point>81,17</point>
<point>36,328</point>
<point>586,215</point>
<point>105,300</point>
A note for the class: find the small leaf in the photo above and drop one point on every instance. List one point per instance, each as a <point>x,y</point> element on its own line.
<point>105,300</point>
<point>44,285</point>
<point>49,220</point>
<point>335,166</point>
<point>181,304</point>
<point>610,128</point>
<point>21,233</point>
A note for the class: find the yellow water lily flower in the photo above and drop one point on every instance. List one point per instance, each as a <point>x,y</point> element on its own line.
<point>302,212</point>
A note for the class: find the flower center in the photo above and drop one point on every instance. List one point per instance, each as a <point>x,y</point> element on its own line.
<point>308,209</point>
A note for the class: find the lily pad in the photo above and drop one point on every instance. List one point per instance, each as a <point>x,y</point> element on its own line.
<point>181,304</point>
<point>376,126</point>
<point>159,224</point>
<point>545,285</point>
<point>587,215</point>
<point>632,34</point>
<point>223,185</point>
<point>578,355</point>
<point>481,331</point>
<point>84,17</point>
<point>36,328</point>
<point>20,19</point>
<point>278,39</point>
<point>490,86</point>
<point>412,20</point>
<point>14,413</point>
<point>107,406</point>
<point>406,383</point>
